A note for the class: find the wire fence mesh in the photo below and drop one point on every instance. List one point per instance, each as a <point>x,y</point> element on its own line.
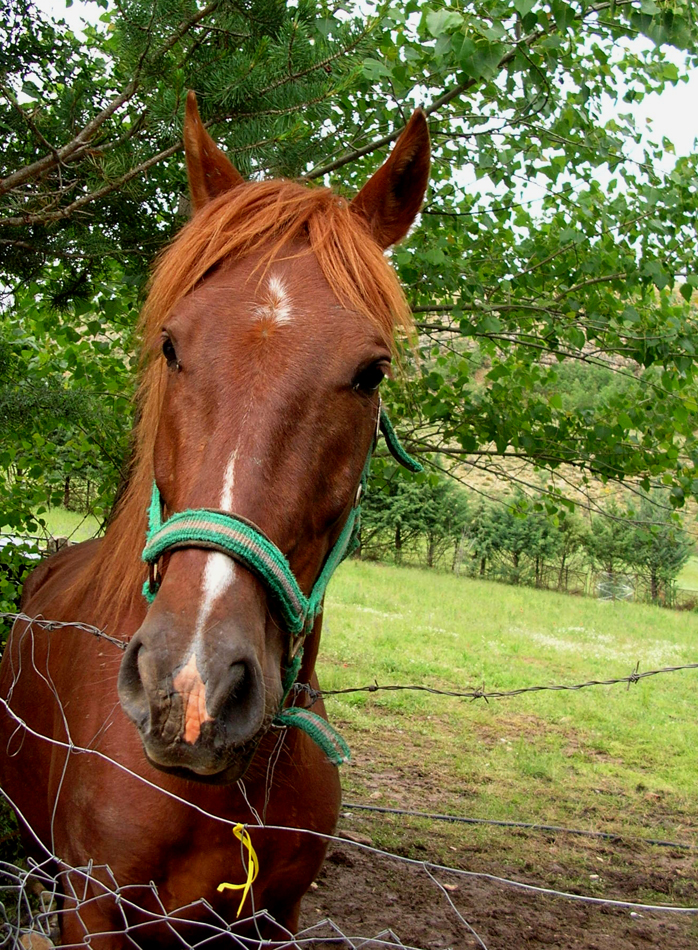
<point>34,898</point>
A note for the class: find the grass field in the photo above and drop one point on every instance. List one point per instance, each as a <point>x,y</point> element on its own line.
<point>602,759</point>
<point>606,758</point>
<point>62,523</point>
<point>688,578</point>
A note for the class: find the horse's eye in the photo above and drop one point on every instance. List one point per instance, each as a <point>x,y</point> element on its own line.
<point>168,351</point>
<point>370,378</point>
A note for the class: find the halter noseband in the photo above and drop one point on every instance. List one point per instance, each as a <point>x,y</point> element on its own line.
<point>243,541</point>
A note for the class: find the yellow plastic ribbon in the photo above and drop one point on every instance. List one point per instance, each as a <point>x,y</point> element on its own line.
<point>242,835</point>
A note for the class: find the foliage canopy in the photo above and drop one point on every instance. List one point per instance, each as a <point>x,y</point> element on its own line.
<point>556,232</point>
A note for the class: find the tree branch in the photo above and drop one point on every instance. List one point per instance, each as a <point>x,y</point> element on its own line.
<point>81,140</point>
<point>449,96</point>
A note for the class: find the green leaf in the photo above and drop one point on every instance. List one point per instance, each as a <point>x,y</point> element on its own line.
<point>564,14</point>
<point>374,69</point>
<point>443,21</point>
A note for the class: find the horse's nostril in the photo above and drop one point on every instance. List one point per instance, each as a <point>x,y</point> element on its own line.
<point>239,679</point>
<point>130,687</point>
<point>236,700</point>
<point>205,701</point>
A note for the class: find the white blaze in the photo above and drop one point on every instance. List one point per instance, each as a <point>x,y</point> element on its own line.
<point>277,303</point>
<point>226,502</point>
<point>219,571</point>
<point>219,574</point>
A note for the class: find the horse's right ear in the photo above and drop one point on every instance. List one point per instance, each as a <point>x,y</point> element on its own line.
<point>210,172</point>
<point>391,199</point>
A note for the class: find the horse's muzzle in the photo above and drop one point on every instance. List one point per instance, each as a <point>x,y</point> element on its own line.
<point>205,717</point>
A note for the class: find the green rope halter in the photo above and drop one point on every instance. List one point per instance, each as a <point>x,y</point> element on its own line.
<point>248,545</point>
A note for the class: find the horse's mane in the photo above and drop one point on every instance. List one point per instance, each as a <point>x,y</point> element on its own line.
<point>255,216</point>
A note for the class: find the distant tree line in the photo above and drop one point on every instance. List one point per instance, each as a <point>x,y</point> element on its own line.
<point>435,523</point>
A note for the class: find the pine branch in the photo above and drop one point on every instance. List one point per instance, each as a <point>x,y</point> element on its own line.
<point>81,141</point>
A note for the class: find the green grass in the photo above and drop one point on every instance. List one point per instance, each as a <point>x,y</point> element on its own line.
<point>605,758</point>
<point>688,578</point>
<point>62,523</point>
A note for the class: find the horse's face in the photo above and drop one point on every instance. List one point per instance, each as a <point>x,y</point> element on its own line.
<point>269,412</point>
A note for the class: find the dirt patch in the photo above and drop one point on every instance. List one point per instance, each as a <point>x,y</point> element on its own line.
<point>366,895</point>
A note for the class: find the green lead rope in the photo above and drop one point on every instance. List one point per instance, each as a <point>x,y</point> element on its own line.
<point>319,729</point>
<point>395,446</point>
<point>248,545</point>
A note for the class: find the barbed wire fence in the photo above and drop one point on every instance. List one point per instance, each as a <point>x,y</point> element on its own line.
<point>32,899</point>
<point>315,694</point>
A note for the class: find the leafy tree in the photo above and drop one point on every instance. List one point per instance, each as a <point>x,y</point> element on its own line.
<point>610,540</point>
<point>597,267</point>
<point>65,410</point>
<point>413,512</point>
<point>589,273</point>
<point>659,546</point>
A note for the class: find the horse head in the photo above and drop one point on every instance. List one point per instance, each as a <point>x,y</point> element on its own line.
<point>269,328</point>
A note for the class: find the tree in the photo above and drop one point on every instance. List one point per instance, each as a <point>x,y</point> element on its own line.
<point>91,170</point>
<point>591,273</point>
<point>610,540</point>
<point>597,268</point>
<point>481,537</point>
<point>425,514</point>
<point>522,540</point>
<point>659,546</point>
<point>571,539</point>
<point>644,537</point>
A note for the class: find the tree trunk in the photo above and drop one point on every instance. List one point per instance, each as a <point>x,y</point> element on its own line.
<point>562,573</point>
<point>398,544</point>
<point>483,565</point>
<point>66,492</point>
<point>654,587</point>
<point>431,544</point>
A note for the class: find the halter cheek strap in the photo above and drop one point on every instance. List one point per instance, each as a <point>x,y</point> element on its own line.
<point>243,541</point>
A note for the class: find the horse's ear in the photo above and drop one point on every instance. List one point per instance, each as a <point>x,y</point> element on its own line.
<point>391,199</point>
<point>210,172</point>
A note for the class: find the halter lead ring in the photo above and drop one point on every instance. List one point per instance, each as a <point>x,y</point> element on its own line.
<point>243,541</point>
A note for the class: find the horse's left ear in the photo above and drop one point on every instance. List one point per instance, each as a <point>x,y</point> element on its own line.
<point>391,199</point>
<point>210,172</point>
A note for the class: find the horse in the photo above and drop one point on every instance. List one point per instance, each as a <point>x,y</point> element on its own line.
<point>268,327</point>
